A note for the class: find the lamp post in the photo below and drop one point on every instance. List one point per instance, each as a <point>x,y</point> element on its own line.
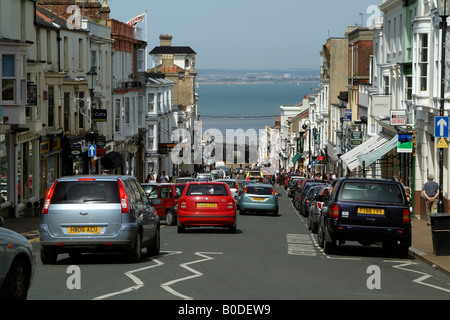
<point>308,126</point>
<point>92,135</point>
<point>443,13</point>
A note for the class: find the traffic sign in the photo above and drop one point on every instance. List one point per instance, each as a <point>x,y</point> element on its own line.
<point>441,127</point>
<point>92,150</point>
<point>442,144</point>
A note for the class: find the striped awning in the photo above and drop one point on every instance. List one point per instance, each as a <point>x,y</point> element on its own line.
<point>369,151</point>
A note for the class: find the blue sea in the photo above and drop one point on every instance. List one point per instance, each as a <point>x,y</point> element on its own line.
<point>247,106</point>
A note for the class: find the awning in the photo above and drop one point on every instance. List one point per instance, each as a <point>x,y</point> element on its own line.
<point>369,151</point>
<point>112,160</point>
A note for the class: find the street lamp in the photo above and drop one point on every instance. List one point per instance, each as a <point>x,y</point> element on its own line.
<point>443,13</point>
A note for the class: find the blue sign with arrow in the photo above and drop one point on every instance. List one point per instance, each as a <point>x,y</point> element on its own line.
<point>92,150</point>
<point>441,127</point>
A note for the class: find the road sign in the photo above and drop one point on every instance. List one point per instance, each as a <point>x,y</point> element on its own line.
<point>441,127</point>
<point>442,144</point>
<point>92,150</point>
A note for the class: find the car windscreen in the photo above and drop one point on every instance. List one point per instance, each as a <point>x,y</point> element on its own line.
<point>259,190</point>
<point>86,191</point>
<point>207,189</point>
<point>372,192</point>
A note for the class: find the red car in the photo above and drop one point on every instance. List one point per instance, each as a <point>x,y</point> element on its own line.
<point>207,204</point>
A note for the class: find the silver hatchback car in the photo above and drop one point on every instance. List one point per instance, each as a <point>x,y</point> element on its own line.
<point>98,213</point>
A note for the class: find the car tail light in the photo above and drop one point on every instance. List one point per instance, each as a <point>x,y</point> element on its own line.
<point>183,204</point>
<point>86,179</point>
<point>273,192</point>
<point>319,205</point>
<point>230,204</point>
<point>236,186</point>
<point>334,211</point>
<point>246,189</point>
<point>406,216</point>
<point>123,198</point>
<point>49,198</point>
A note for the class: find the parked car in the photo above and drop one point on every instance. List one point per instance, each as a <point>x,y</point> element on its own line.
<point>298,191</point>
<point>97,213</point>
<point>17,265</point>
<point>293,185</point>
<point>367,211</point>
<point>168,193</point>
<point>307,195</point>
<point>207,204</point>
<point>259,198</point>
<point>315,207</point>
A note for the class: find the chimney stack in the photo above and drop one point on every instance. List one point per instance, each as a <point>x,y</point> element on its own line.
<point>165,40</point>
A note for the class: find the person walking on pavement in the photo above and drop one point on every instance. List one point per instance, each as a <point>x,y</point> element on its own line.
<point>430,192</point>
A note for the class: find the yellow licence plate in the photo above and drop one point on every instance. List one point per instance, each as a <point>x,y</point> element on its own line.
<point>371,211</point>
<point>206,205</point>
<point>85,229</point>
<point>259,199</point>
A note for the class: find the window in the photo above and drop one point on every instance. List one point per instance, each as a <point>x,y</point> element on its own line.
<point>51,107</point>
<point>81,106</point>
<point>66,111</point>
<point>423,61</point>
<point>127,110</point>
<point>8,77</point>
<point>386,89</point>
<point>408,87</point>
<point>151,103</point>
<point>117,116</point>
<point>140,111</point>
<point>151,138</point>
<point>141,60</point>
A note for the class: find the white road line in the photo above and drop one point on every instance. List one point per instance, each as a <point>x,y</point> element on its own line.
<point>166,286</point>
<point>421,279</point>
<point>138,283</point>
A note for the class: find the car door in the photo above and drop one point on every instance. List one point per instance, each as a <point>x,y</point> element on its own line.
<point>148,215</point>
<point>3,240</point>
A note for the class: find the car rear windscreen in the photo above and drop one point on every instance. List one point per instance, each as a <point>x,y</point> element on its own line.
<point>207,189</point>
<point>372,192</point>
<point>86,191</point>
<point>262,191</point>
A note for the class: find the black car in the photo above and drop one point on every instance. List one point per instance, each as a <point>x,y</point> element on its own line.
<point>368,211</point>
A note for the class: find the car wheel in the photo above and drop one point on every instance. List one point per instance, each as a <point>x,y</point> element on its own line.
<point>15,286</point>
<point>328,247</point>
<point>135,254</point>
<point>170,218</point>
<point>320,236</point>
<point>48,256</point>
<point>154,248</point>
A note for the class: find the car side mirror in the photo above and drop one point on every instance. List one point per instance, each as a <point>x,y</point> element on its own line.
<point>2,221</point>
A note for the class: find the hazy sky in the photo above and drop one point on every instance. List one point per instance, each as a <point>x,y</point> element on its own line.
<point>249,34</point>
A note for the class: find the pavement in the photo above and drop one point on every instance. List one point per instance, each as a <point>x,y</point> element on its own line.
<point>422,240</point>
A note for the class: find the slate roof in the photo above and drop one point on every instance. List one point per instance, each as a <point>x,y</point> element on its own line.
<point>172,50</point>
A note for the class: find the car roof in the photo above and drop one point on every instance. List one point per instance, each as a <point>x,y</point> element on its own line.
<point>94,176</point>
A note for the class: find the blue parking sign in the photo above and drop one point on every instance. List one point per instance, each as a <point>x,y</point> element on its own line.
<point>441,127</point>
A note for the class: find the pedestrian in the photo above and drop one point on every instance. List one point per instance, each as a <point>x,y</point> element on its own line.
<point>165,177</point>
<point>147,180</point>
<point>430,192</point>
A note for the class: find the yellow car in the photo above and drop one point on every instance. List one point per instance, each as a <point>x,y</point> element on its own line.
<point>253,174</point>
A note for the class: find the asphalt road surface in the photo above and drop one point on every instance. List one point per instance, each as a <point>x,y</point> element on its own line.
<point>269,258</point>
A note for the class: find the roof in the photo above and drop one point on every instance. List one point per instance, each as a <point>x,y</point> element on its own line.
<point>48,19</point>
<point>172,50</point>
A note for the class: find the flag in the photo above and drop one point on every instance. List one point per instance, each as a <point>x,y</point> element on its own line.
<point>136,20</point>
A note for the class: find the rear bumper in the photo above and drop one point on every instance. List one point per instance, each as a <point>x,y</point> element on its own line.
<point>220,219</point>
<point>124,239</point>
<point>258,207</point>
<point>370,233</point>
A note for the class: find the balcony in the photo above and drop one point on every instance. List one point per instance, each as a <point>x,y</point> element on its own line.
<point>127,85</point>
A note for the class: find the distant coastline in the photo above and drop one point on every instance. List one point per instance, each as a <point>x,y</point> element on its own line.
<point>206,82</point>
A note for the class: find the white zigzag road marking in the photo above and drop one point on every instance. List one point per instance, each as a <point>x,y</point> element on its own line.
<point>421,279</point>
<point>166,286</point>
<point>138,283</point>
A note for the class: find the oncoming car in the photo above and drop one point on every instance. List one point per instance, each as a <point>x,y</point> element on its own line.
<point>98,213</point>
<point>207,204</point>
